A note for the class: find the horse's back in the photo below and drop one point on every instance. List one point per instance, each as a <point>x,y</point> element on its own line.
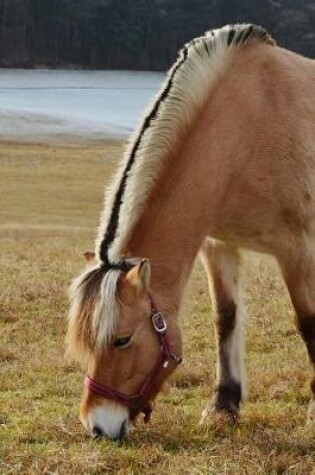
<point>266,104</point>
<point>274,84</point>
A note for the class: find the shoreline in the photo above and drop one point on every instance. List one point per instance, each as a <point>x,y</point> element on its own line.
<point>63,140</point>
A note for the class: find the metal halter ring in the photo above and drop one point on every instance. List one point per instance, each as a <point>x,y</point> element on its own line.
<point>159,322</point>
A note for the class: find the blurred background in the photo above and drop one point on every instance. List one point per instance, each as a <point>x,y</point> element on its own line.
<point>90,67</point>
<point>136,34</point>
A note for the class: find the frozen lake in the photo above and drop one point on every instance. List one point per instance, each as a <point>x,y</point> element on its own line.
<point>43,104</point>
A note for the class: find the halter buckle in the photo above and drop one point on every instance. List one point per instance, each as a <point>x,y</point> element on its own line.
<point>159,322</point>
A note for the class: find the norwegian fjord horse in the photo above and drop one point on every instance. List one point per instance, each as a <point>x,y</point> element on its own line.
<point>226,150</point>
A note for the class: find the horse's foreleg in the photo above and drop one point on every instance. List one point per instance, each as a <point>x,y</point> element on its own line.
<point>299,273</point>
<point>222,265</point>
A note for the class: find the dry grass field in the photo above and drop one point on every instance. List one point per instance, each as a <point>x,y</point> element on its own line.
<point>50,200</point>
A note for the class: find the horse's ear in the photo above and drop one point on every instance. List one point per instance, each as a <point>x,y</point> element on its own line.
<point>89,257</point>
<point>145,274</point>
<point>139,276</point>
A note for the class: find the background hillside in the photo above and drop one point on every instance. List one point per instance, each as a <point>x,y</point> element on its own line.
<point>136,34</point>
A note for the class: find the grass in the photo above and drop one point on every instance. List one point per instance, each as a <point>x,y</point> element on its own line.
<point>50,200</point>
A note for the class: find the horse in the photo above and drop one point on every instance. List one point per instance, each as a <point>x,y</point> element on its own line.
<point>223,161</point>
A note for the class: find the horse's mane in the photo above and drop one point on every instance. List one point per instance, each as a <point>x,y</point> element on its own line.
<point>200,65</point>
<point>89,330</point>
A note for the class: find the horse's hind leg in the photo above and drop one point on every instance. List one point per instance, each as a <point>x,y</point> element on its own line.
<point>222,265</point>
<point>298,269</point>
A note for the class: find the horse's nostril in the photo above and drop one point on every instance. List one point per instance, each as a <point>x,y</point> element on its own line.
<point>96,432</point>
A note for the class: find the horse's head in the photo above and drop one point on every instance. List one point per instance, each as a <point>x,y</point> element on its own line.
<point>115,327</point>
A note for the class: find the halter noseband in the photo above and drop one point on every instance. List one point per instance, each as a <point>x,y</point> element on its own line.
<point>139,402</point>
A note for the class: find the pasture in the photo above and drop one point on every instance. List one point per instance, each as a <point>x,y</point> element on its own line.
<point>50,201</point>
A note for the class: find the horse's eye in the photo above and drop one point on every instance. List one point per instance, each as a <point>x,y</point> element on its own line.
<point>122,342</point>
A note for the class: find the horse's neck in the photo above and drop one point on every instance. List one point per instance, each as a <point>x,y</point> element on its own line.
<point>169,232</point>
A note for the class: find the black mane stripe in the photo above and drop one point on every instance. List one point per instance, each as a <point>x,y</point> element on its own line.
<point>231,35</point>
<point>113,221</point>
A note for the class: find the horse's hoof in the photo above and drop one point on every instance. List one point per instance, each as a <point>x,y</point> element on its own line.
<point>219,414</point>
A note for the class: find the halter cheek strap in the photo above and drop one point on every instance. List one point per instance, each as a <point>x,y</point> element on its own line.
<point>139,402</point>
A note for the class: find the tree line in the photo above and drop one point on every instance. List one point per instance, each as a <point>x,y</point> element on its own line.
<point>136,34</point>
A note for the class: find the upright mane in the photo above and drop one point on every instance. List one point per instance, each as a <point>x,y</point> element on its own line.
<point>199,66</point>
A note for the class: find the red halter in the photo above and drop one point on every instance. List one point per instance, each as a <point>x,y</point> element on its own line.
<point>139,402</point>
